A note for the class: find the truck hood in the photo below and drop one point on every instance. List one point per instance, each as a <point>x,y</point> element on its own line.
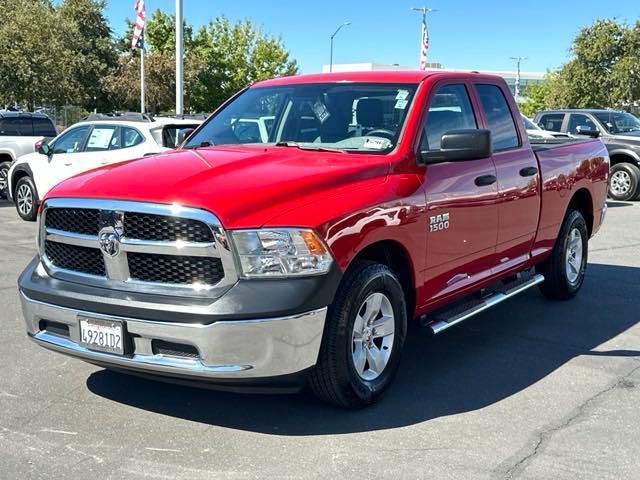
<point>244,186</point>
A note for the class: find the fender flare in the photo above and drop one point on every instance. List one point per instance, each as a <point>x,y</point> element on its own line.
<point>8,151</point>
<point>22,168</point>
<point>626,152</point>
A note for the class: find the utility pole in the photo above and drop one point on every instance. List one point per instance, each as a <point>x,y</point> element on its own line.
<point>332,37</point>
<point>424,35</point>
<point>179,59</point>
<point>518,61</point>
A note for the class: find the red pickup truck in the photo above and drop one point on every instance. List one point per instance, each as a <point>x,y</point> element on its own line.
<point>298,231</point>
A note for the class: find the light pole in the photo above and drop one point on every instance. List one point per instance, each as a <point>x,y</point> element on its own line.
<point>424,34</point>
<point>518,60</point>
<point>332,37</point>
<point>179,60</point>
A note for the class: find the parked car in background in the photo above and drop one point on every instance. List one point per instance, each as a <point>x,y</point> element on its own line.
<point>20,134</point>
<point>619,131</point>
<point>242,262</point>
<point>535,132</point>
<point>99,140</point>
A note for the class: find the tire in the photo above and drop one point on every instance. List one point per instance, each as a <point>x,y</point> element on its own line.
<point>341,377</point>
<point>563,276</point>
<point>624,182</point>
<point>26,199</point>
<point>4,179</point>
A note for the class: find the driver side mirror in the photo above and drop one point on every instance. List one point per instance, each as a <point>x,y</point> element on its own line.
<point>460,145</point>
<point>588,131</point>
<point>45,149</point>
<point>183,135</point>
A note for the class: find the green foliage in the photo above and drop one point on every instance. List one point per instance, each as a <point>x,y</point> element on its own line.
<point>536,99</point>
<point>604,71</point>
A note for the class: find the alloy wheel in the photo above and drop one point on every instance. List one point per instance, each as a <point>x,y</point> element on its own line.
<point>574,257</point>
<point>620,183</point>
<point>24,199</point>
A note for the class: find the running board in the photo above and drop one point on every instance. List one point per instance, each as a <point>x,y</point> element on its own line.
<point>460,313</point>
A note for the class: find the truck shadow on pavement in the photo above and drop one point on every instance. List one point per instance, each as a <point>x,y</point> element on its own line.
<point>493,356</point>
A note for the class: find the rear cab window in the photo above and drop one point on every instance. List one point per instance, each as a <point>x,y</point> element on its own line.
<point>552,121</point>
<point>504,132</point>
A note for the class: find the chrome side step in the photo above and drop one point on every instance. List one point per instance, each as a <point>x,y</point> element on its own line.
<point>449,318</point>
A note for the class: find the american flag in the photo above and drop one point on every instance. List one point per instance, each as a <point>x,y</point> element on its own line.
<point>137,41</point>
<point>424,45</point>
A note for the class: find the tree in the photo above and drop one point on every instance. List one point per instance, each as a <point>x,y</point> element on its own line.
<point>233,56</point>
<point>604,71</point>
<point>87,34</point>
<point>536,99</point>
<point>29,73</point>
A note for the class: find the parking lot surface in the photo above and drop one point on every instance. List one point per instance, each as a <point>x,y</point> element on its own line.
<point>531,390</point>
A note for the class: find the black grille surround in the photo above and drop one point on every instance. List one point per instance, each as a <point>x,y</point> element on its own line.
<point>161,228</point>
<point>78,259</point>
<point>176,269</point>
<point>76,220</point>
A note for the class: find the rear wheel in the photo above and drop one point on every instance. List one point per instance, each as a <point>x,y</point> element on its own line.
<point>364,335</point>
<point>565,269</point>
<point>624,183</point>
<point>4,179</point>
<point>26,199</point>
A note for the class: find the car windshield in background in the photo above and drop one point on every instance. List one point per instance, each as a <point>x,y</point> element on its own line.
<point>349,117</point>
<point>618,122</point>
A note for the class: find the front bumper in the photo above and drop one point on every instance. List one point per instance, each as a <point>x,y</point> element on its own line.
<point>229,352</point>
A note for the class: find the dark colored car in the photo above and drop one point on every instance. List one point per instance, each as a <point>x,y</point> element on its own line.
<point>619,131</point>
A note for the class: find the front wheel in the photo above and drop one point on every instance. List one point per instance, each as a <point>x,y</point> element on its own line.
<point>565,269</point>
<point>4,179</point>
<point>363,338</point>
<point>624,183</point>
<point>26,199</point>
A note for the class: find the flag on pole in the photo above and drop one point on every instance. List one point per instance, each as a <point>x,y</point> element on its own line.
<point>137,41</point>
<point>424,45</point>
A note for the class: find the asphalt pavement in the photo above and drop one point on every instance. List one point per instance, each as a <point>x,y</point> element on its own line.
<point>530,390</point>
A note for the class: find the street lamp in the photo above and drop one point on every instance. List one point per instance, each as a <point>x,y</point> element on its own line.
<point>332,37</point>
<point>518,60</point>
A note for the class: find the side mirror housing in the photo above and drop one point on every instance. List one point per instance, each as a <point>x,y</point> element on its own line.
<point>183,135</point>
<point>45,149</point>
<point>460,145</point>
<point>588,131</point>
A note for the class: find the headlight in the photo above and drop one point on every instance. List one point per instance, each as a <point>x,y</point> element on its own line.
<point>280,253</point>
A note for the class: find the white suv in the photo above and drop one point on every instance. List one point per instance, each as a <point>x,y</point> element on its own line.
<point>99,140</point>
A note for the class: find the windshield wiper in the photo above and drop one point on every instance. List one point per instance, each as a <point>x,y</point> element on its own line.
<point>310,147</point>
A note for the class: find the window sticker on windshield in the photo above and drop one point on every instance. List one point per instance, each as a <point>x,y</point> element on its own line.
<point>402,95</point>
<point>402,104</point>
<point>376,143</point>
<point>320,111</point>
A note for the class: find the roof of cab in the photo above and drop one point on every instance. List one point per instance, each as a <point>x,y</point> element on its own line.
<point>378,76</point>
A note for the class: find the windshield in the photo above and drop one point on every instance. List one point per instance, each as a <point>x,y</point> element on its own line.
<point>618,122</point>
<point>351,117</point>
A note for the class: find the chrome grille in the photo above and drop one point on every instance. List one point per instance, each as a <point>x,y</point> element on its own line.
<point>72,257</point>
<point>175,269</point>
<point>76,220</point>
<point>165,249</point>
<point>165,229</point>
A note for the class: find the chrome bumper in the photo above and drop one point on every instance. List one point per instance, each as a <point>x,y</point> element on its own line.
<point>246,349</point>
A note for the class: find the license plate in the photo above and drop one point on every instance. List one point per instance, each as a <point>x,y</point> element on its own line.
<point>102,335</point>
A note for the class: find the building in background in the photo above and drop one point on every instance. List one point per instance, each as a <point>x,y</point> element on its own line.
<point>526,78</point>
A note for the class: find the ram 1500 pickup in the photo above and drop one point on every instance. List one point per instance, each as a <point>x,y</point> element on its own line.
<point>297,254</point>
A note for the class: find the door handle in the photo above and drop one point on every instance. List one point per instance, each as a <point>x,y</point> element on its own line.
<point>486,180</point>
<point>528,171</point>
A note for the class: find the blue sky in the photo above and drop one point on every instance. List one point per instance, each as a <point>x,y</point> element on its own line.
<point>470,34</point>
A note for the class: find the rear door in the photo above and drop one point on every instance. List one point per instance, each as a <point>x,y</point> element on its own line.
<point>552,122</point>
<point>462,213</point>
<point>518,176</point>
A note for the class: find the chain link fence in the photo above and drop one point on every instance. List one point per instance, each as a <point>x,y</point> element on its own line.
<point>64,117</point>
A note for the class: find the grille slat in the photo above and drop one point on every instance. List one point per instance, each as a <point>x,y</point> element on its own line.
<point>160,228</point>
<point>76,220</point>
<point>72,257</point>
<point>175,269</point>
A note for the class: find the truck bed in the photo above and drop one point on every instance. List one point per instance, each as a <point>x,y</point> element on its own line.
<point>543,144</point>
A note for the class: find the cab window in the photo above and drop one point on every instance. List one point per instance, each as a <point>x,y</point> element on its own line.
<point>504,133</point>
<point>580,120</point>
<point>71,141</point>
<point>450,109</point>
<point>100,138</point>
<point>552,121</point>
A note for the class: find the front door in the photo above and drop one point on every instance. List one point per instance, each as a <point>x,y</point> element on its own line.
<point>461,201</point>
